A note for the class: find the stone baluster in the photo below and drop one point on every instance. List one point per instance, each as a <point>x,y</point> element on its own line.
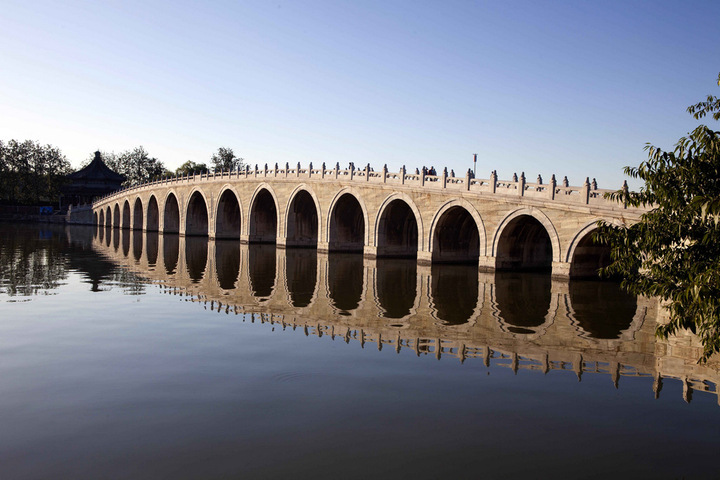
<point>352,170</point>
<point>521,184</point>
<point>493,181</point>
<point>367,172</point>
<point>566,182</point>
<point>297,170</point>
<point>422,176</point>
<point>384,173</point>
<point>402,175</point>
<point>586,190</point>
<point>276,169</point>
<point>594,184</point>
<point>468,179</point>
<point>337,169</point>
<point>552,187</point>
<point>625,193</point>
<point>443,180</point>
<point>266,170</point>
<point>322,174</point>
<point>310,167</point>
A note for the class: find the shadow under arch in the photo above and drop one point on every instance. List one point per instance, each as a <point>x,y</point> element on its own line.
<point>153,215</point>
<point>228,217</point>
<point>137,221</point>
<point>398,228</point>
<point>347,223</point>
<point>302,219</point>
<point>196,216</point>
<point>171,214</point>
<point>263,218</point>
<point>126,214</point>
<point>457,234</point>
<point>586,256</point>
<point>526,240</point>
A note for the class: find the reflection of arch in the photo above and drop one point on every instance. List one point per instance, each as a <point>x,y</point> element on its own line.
<point>345,282</point>
<point>116,216</point>
<point>126,214</point>
<point>262,271</point>
<point>301,276</point>
<point>396,287</point>
<point>137,222</point>
<point>453,237</point>
<point>227,263</point>
<point>171,214</point>
<point>302,218</point>
<point>196,214</point>
<point>604,311</point>
<point>347,231</point>
<point>171,253</point>
<point>228,216</point>
<point>407,235</point>
<point>196,258</point>
<point>263,218</point>
<point>153,215</point>
<point>526,247</point>
<point>584,255</point>
<point>523,304</point>
<point>455,294</point>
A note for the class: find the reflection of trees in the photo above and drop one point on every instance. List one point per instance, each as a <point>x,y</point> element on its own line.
<point>30,260</point>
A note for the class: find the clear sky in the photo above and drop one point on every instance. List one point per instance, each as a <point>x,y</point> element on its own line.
<point>573,88</point>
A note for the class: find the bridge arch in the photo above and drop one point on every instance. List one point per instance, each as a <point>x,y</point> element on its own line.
<point>153,215</point>
<point>196,214</point>
<point>398,227</point>
<point>228,213</point>
<point>263,215</point>
<point>302,218</point>
<point>457,233</point>
<point>347,222</point>
<point>526,239</point>
<point>116,216</point>
<point>108,217</point>
<point>137,221</point>
<point>96,220</point>
<point>586,256</point>
<point>126,214</point>
<point>171,213</point>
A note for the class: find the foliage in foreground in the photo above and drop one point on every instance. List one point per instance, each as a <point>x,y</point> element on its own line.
<point>674,251</point>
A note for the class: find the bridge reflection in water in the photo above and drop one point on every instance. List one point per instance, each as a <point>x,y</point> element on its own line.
<point>521,320</point>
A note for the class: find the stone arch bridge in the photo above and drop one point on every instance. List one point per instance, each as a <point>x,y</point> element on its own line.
<point>497,224</point>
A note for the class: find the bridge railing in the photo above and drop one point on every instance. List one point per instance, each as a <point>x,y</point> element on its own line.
<point>587,194</point>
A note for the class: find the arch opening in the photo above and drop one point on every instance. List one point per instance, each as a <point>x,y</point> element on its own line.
<point>263,219</point>
<point>116,216</point>
<point>101,218</point>
<point>589,256</point>
<point>126,215</point>
<point>171,215</point>
<point>302,221</point>
<point>397,231</point>
<point>227,224</point>
<point>95,219</point>
<point>347,226</point>
<point>137,215</point>
<point>196,219</point>
<point>153,216</point>
<point>524,245</point>
<point>108,218</point>
<point>456,238</point>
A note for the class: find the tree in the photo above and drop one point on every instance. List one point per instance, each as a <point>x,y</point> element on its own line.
<point>31,173</point>
<point>225,159</point>
<point>190,167</point>
<point>673,252</point>
<point>136,164</point>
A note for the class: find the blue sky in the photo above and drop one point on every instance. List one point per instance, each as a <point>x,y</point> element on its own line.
<point>571,88</point>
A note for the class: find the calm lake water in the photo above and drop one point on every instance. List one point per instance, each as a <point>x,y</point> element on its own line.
<point>125,355</point>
